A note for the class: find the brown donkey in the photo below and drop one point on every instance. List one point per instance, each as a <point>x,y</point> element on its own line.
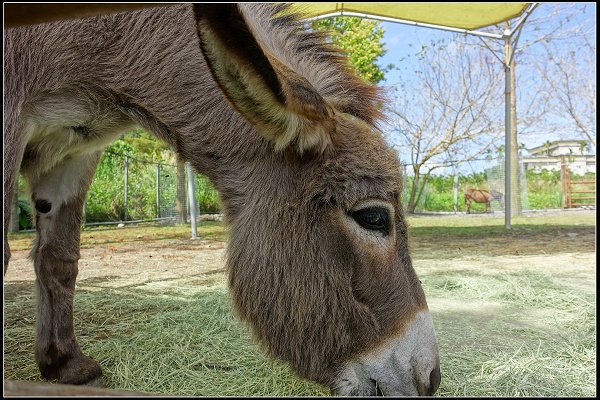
<point>482,196</point>
<point>318,257</point>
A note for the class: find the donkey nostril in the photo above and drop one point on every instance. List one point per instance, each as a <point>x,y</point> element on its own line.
<point>378,391</point>
<point>429,388</point>
<point>434,381</point>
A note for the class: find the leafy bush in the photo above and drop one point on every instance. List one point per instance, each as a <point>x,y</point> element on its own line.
<point>25,214</point>
<point>106,199</point>
<point>206,195</point>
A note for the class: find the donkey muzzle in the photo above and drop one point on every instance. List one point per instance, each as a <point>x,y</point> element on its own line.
<point>405,365</point>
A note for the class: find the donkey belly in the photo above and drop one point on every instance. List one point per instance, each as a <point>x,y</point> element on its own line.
<point>60,127</point>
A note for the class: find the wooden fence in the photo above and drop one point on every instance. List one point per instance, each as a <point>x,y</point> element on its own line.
<point>573,189</point>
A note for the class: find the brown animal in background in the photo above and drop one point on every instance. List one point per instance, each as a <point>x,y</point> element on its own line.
<point>318,256</point>
<point>482,196</point>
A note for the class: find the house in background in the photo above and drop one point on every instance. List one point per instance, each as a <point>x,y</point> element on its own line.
<point>548,156</point>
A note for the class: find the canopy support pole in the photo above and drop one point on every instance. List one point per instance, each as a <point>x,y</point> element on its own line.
<point>507,132</point>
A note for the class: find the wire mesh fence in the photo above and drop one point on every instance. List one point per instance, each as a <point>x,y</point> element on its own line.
<point>536,189</point>
<point>129,189</point>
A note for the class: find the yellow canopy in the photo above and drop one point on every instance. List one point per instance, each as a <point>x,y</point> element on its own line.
<point>467,16</point>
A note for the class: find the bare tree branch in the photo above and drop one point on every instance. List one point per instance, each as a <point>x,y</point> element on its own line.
<point>454,105</point>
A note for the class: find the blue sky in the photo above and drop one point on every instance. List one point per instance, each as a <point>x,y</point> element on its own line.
<point>403,40</point>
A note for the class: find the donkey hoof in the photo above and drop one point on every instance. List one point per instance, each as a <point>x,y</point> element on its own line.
<point>95,382</point>
<point>82,370</point>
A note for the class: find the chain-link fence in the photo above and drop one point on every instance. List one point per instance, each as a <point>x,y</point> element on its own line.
<point>127,189</point>
<point>544,188</point>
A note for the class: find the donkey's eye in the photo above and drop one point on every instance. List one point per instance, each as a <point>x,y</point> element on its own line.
<point>373,218</point>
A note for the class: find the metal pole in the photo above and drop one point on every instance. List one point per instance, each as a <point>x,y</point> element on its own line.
<point>563,180</point>
<point>192,199</point>
<point>157,190</point>
<point>125,216</point>
<point>455,190</point>
<point>507,125</point>
<point>404,185</point>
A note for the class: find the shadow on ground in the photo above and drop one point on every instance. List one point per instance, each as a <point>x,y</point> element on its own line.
<point>444,242</point>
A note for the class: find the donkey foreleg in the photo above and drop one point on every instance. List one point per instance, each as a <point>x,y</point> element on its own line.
<point>12,151</point>
<point>58,197</point>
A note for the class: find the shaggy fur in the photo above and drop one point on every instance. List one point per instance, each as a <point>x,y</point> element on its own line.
<point>317,289</point>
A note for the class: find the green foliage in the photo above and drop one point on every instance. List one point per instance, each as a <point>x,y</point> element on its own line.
<point>105,201</point>
<point>25,214</point>
<point>544,176</point>
<point>477,179</point>
<point>543,188</point>
<point>106,198</point>
<point>440,201</point>
<point>361,39</point>
<point>146,144</point>
<point>24,206</point>
<point>206,195</point>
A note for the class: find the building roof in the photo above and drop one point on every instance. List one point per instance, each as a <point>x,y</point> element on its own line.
<point>555,144</point>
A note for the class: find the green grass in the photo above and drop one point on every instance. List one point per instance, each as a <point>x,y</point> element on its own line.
<point>185,343</point>
<point>526,334</point>
<point>142,233</point>
<point>510,318</point>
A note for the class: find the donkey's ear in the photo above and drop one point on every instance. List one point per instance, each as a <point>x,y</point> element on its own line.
<point>284,106</point>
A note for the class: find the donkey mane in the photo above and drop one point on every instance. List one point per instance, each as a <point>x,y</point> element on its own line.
<point>283,30</point>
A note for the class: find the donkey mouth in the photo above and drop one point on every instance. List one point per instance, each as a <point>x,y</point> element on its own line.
<point>369,387</point>
<point>377,387</point>
<point>373,387</point>
<point>405,365</point>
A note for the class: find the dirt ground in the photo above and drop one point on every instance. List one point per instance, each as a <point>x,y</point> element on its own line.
<point>170,262</point>
<point>142,257</point>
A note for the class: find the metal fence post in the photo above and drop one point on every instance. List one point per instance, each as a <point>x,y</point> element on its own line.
<point>125,216</point>
<point>157,190</point>
<point>563,180</point>
<point>455,191</point>
<point>192,199</point>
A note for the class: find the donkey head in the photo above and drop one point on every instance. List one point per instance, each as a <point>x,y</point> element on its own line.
<point>318,256</point>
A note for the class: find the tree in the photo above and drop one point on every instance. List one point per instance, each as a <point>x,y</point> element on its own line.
<point>360,39</point>
<point>547,145</point>
<point>561,56</point>
<point>583,146</point>
<point>146,144</point>
<point>570,78</point>
<point>448,112</point>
